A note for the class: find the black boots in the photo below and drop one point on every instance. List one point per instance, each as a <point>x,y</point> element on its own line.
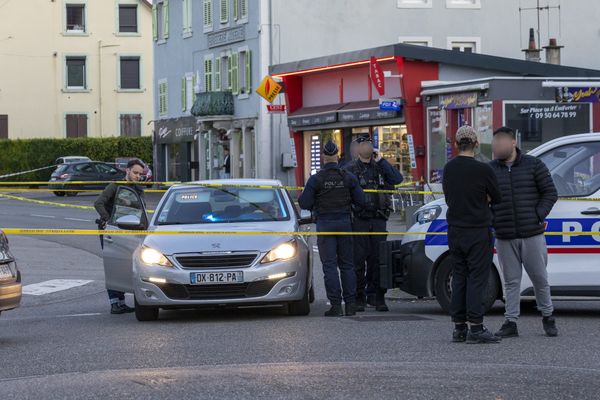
<point>480,334</point>
<point>335,311</point>
<point>508,330</point>
<point>550,326</point>
<point>116,308</point>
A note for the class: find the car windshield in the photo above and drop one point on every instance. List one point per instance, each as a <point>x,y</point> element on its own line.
<point>225,204</point>
<point>61,168</point>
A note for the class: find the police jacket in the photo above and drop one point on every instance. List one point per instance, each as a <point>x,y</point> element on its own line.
<point>379,175</point>
<point>331,193</point>
<point>105,202</point>
<point>528,194</point>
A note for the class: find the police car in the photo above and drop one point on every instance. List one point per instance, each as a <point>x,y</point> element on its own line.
<point>419,264</point>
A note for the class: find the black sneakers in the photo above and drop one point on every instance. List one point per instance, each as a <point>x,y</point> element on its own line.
<point>550,326</point>
<point>460,333</point>
<point>482,336</point>
<point>359,306</point>
<point>116,308</point>
<point>350,309</point>
<point>508,330</point>
<point>335,311</point>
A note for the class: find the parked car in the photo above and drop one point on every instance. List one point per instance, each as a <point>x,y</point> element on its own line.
<point>420,265</point>
<point>10,278</point>
<point>91,171</point>
<point>191,271</point>
<point>70,159</point>
<point>121,163</point>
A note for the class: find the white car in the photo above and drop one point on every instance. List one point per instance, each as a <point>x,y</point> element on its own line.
<point>212,269</point>
<point>420,265</point>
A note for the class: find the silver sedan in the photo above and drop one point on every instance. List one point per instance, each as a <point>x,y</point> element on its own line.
<point>211,270</point>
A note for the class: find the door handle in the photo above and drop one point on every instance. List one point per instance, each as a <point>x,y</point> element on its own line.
<point>591,211</point>
<point>109,239</point>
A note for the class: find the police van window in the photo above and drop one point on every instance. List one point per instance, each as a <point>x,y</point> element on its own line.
<point>127,202</point>
<point>575,168</point>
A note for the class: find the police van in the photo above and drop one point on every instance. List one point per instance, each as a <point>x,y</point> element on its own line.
<point>419,264</point>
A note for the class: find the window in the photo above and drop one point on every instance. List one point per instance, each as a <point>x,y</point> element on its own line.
<point>128,18</point>
<point>208,72</point>
<point>106,169</point>
<point>165,19</point>
<point>76,74</point>
<point>130,73</point>
<point>3,126</point>
<point>415,3</point>
<point>463,3</point>
<point>76,125</point>
<point>162,97</point>
<point>219,62</point>
<point>245,72</point>
<point>85,168</point>
<point>187,18</point>
<point>575,168</point>
<point>75,18</point>
<point>130,124</point>
<point>160,20</point>
<point>207,15</point>
<point>426,41</point>
<point>240,10</point>
<point>465,44</point>
<point>127,202</point>
<point>224,11</point>
<point>187,92</point>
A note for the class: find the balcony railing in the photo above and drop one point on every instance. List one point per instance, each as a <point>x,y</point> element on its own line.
<point>213,103</point>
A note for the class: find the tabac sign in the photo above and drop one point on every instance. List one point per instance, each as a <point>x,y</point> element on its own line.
<point>268,89</point>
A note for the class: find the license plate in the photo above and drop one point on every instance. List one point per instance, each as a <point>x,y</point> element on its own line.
<point>216,278</point>
<point>5,272</point>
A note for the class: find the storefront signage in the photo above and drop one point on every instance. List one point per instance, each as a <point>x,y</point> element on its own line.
<point>578,95</point>
<point>377,76</point>
<point>276,108</point>
<point>458,100</point>
<point>268,89</point>
<point>365,115</point>
<point>389,104</point>
<point>222,38</point>
<point>411,151</point>
<point>175,130</point>
<point>550,111</point>
<point>316,119</point>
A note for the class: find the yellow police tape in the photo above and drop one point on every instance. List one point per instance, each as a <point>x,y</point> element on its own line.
<point>51,203</point>
<point>34,231</point>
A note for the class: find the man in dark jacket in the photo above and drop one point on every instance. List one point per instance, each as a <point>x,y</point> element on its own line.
<point>330,194</point>
<point>104,205</point>
<point>528,194</point>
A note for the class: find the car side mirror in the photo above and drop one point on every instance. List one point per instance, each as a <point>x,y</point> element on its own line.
<point>305,218</point>
<point>129,222</point>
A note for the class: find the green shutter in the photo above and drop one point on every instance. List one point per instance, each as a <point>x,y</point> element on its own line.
<point>208,75</point>
<point>235,10</point>
<point>229,72</point>
<point>248,71</point>
<point>244,9</point>
<point>207,13</point>
<point>224,11</point>
<point>183,94</point>
<point>235,85</point>
<point>154,23</point>
<point>194,83</point>
<point>218,74</point>
<point>165,19</point>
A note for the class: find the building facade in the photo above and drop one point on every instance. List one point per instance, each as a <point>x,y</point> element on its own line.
<point>75,68</point>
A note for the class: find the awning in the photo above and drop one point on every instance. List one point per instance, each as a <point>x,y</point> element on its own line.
<point>308,116</point>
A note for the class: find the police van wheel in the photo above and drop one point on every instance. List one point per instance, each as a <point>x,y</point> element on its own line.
<point>443,291</point>
<point>300,307</point>
<point>145,313</point>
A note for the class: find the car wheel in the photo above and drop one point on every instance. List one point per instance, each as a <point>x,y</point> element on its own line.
<point>443,286</point>
<point>59,194</point>
<point>145,313</point>
<point>300,307</point>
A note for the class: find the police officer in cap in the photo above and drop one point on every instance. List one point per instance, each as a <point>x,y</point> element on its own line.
<point>373,172</point>
<point>331,194</point>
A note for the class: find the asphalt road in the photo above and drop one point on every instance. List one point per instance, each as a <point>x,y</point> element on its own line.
<point>65,344</point>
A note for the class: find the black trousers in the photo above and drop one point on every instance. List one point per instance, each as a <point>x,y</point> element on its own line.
<point>366,256</point>
<point>471,250</point>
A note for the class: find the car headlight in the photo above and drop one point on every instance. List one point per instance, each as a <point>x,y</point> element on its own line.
<point>284,251</point>
<point>428,214</point>
<point>150,256</point>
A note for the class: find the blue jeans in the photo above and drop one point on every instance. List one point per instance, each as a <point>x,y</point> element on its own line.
<point>336,253</point>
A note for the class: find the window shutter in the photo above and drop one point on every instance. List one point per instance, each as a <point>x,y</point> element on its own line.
<point>244,9</point>
<point>208,75</point>
<point>165,19</point>
<point>154,22</point>
<point>248,71</point>
<point>218,85</point>
<point>183,95</point>
<point>235,84</point>
<point>224,11</point>
<point>236,10</point>
<point>229,72</point>
<point>194,83</point>
<point>207,13</point>
<point>82,125</point>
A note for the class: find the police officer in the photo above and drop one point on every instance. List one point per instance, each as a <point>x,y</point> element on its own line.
<point>373,172</point>
<point>104,206</point>
<point>330,194</point>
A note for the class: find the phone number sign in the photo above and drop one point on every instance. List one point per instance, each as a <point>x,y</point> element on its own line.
<point>551,111</point>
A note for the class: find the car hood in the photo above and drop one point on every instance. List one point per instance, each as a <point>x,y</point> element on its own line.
<point>173,244</point>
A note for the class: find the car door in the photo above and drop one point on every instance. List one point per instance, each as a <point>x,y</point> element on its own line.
<point>107,172</point>
<point>574,260</point>
<point>118,249</point>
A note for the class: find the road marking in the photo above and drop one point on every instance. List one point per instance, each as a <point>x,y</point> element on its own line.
<point>54,285</point>
<point>43,216</point>
<point>78,219</point>
<point>79,315</point>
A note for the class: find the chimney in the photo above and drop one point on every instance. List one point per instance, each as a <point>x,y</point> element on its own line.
<point>532,53</point>
<point>553,52</point>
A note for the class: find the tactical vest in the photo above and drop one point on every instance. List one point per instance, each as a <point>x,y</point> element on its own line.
<point>371,177</point>
<point>333,191</point>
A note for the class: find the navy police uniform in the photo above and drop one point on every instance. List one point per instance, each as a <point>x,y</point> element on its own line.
<point>379,175</point>
<point>331,194</point>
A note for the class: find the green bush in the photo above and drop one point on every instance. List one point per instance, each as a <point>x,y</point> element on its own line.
<point>24,155</point>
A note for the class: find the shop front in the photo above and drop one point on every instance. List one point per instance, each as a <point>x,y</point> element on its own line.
<point>176,149</point>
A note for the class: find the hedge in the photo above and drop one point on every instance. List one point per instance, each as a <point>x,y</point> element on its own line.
<point>24,155</point>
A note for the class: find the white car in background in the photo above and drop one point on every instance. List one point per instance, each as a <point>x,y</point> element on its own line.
<point>420,265</point>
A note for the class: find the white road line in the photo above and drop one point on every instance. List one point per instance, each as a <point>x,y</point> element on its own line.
<point>54,285</point>
<point>78,219</point>
<point>43,216</point>
<point>79,315</point>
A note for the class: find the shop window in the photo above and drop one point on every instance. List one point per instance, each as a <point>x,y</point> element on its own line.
<point>392,142</point>
<point>415,3</point>
<point>440,149</point>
